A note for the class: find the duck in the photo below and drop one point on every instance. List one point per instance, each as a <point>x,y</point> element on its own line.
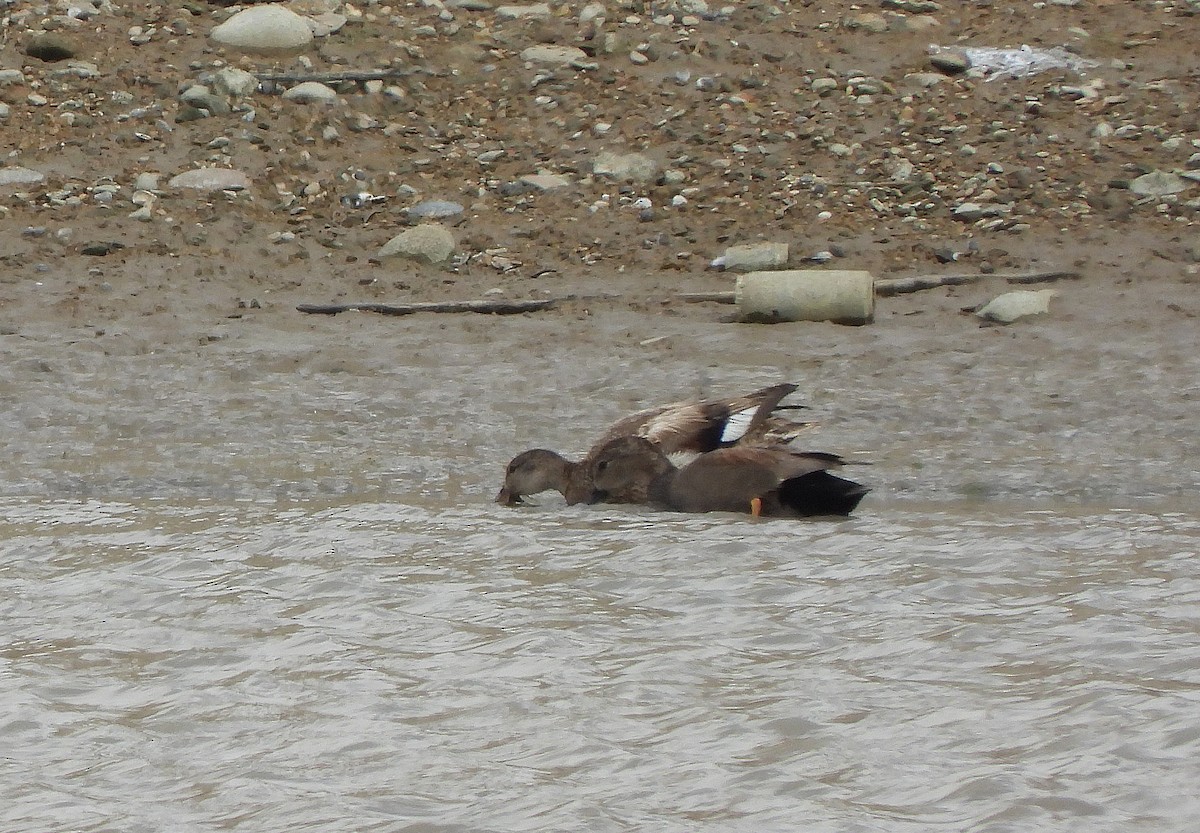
<point>688,426</point>
<point>763,481</point>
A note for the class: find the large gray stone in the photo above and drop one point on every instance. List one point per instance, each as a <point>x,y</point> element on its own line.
<point>264,28</point>
<point>13,177</point>
<point>1158,184</point>
<point>430,242</point>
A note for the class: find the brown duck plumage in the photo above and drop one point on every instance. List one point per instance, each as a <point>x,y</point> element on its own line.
<point>769,481</point>
<point>679,427</point>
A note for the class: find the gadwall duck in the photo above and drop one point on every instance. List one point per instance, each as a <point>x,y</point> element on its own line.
<point>769,481</point>
<point>696,426</point>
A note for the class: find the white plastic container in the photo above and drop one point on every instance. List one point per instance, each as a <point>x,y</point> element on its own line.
<point>842,296</point>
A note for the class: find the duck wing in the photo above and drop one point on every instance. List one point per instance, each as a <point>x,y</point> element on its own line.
<point>708,424</point>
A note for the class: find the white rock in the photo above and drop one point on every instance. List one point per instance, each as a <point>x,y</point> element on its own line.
<point>1158,184</point>
<point>310,92</point>
<point>629,166</point>
<point>146,181</point>
<point>234,82</point>
<point>549,54</point>
<point>1010,306</point>
<point>591,11</point>
<point>17,175</point>
<point>430,242</point>
<point>516,12</point>
<point>271,27</point>
<point>545,182</point>
<point>326,24</point>
<point>211,179</point>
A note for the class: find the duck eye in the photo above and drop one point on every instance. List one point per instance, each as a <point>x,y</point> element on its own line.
<point>602,465</point>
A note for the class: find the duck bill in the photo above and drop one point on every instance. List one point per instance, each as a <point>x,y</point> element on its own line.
<point>507,498</point>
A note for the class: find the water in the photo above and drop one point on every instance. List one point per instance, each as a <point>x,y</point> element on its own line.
<point>263,587</point>
<point>380,667</point>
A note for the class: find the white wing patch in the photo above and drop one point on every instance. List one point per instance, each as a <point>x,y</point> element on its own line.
<point>737,425</point>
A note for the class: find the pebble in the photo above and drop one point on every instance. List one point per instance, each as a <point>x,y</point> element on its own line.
<point>51,47</point>
<point>1011,306</point>
<point>431,242</point>
<point>310,92</point>
<point>523,12</point>
<point>548,54</point>
<point>545,182</point>
<point>211,179</point>
<point>435,209</point>
<point>234,83</point>
<point>1159,184</point>
<point>16,175</point>
<point>951,63</point>
<point>634,167</point>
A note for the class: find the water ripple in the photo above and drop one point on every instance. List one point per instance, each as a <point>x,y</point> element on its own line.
<point>385,666</point>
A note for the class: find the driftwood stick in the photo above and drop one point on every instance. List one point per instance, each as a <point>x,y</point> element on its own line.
<point>358,75</point>
<point>902,286</point>
<point>729,297</point>
<point>1043,277</point>
<point>493,307</point>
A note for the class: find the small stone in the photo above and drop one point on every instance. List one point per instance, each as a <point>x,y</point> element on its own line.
<point>824,86</point>
<point>969,211</point>
<point>234,83</point>
<point>18,176</point>
<point>951,63</point>
<point>147,181</point>
<point>549,54</point>
<point>211,179</point>
<point>202,98</point>
<point>522,12</point>
<point>1158,184</point>
<point>925,80</point>
<point>868,22</point>
<point>631,166</point>
<point>1011,306</point>
<point>51,47</point>
<point>311,92</point>
<point>431,243</point>
<point>435,209</point>
<point>545,182</point>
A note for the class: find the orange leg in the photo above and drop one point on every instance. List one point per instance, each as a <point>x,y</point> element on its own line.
<point>756,507</point>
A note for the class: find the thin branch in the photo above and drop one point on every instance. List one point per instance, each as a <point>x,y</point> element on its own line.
<point>903,286</point>
<point>491,307</point>
<point>357,75</point>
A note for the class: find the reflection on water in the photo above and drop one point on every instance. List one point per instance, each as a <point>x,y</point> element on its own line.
<point>391,666</point>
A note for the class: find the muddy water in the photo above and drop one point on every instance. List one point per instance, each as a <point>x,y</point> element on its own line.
<point>259,584</point>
